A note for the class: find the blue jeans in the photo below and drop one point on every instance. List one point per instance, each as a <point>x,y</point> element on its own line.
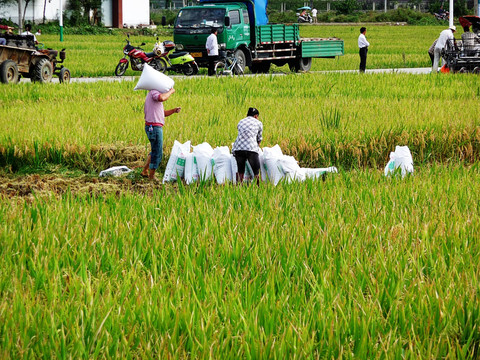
<point>155,136</point>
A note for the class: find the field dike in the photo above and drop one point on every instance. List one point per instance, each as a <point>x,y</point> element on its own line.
<point>427,146</point>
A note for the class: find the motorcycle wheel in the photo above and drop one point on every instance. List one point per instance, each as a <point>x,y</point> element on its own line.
<point>190,69</point>
<point>159,65</point>
<point>121,68</point>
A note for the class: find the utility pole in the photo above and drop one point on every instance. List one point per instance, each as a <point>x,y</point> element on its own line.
<point>450,20</point>
<point>60,21</point>
<point>476,8</point>
<point>20,18</point>
<point>385,9</point>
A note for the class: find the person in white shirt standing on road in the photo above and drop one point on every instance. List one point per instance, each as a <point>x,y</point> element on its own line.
<point>314,15</point>
<point>212,51</point>
<point>363,45</point>
<point>445,35</point>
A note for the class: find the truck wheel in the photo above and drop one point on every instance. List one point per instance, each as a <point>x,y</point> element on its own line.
<point>64,76</point>
<point>304,64</point>
<point>241,60</point>
<point>300,64</point>
<point>43,71</point>
<point>260,68</point>
<point>121,68</point>
<point>9,72</point>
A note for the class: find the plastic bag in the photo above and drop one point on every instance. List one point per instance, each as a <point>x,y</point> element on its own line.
<point>115,171</point>
<point>152,79</point>
<point>401,159</point>
<point>271,156</point>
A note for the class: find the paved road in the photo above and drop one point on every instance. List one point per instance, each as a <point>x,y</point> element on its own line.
<point>134,78</point>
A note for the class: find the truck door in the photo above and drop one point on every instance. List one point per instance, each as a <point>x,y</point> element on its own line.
<point>236,33</point>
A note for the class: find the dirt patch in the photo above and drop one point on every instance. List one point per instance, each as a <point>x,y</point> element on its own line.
<point>46,185</point>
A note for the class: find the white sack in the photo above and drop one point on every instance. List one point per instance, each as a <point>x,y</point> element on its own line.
<point>115,171</point>
<point>203,155</point>
<point>191,171</point>
<point>400,158</point>
<point>176,163</point>
<point>152,79</point>
<point>263,170</point>
<point>318,172</point>
<point>271,157</point>
<point>221,162</point>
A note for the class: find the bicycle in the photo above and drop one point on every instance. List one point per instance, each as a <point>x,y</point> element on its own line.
<point>228,65</point>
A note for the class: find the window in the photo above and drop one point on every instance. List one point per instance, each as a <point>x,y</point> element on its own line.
<point>234,17</point>
<point>246,20</point>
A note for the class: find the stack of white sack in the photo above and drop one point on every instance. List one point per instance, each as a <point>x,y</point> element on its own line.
<point>401,159</point>
<point>176,163</point>
<point>205,162</point>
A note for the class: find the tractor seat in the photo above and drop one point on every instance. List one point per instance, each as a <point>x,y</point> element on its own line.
<point>177,54</point>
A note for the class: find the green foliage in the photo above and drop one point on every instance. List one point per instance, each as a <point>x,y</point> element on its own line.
<point>346,7</point>
<point>170,15</point>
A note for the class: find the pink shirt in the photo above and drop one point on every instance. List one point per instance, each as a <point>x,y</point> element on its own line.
<point>154,112</point>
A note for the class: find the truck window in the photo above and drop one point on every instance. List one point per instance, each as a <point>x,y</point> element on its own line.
<point>234,17</point>
<point>197,18</point>
<point>246,20</point>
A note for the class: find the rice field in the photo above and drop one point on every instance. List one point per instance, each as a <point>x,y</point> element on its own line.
<point>355,266</point>
<point>391,47</point>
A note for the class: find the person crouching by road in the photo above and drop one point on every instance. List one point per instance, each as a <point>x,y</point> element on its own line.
<point>431,51</point>
<point>212,51</point>
<point>445,35</point>
<point>246,145</point>
<point>363,45</point>
<point>155,115</point>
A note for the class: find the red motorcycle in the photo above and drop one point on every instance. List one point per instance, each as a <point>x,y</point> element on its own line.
<point>138,57</point>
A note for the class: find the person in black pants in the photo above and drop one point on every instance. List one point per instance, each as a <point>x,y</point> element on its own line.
<point>363,45</point>
<point>246,145</point>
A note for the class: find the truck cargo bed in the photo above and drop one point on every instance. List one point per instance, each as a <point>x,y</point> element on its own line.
<point>321,47</point>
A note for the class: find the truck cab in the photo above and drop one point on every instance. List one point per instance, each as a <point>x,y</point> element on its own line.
<point>194,23</point>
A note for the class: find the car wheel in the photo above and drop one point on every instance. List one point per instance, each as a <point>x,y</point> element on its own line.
<point>9,72</point>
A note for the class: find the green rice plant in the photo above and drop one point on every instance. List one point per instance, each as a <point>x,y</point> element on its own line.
<point>356,266</point>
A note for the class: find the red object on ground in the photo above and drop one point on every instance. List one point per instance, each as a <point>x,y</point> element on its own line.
<point>445,69</point>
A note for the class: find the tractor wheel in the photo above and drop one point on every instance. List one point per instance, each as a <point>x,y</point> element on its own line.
<point>42,71</point>
<point>9,72</point>
<point>121,68</point>
<point>64,76</point>
<point>241,61</point>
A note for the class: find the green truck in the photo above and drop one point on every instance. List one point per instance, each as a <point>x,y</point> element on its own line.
<point>255,44</point>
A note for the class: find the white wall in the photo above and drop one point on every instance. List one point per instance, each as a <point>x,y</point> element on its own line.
<point>34,11</point>
<point>136,12</point>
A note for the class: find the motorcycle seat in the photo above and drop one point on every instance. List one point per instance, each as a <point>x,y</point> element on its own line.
<point>150,54</point>
<point>177,54</point>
